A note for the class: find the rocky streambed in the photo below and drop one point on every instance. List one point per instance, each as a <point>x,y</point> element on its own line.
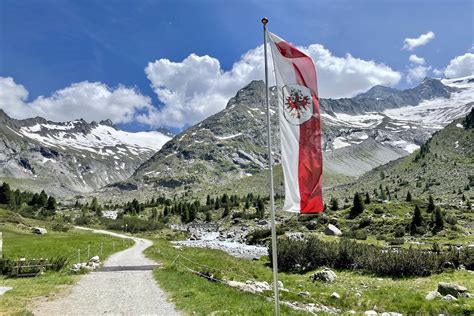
<point>230,240</point>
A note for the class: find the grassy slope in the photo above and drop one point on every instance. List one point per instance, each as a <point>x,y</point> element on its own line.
<point>192,293</point>
<point>18,242</point>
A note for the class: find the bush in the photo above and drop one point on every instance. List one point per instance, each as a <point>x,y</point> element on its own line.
<point>259,236</point>
<point>309,254</point>
<point>58,263</point>
<point>60,226</point>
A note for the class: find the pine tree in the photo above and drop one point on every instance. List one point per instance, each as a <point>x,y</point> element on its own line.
<point>247,203</point>
<point>408,199</point>
<point>226,211</point>
<point>468,204</point>
<point>438,219</point>
<point>260,208</point>
<point>417,218</point>
<point>5,194</point>
<point>382,195</point>
<point>95,207</point>
<point>357,207</point>
<point>208,200</point>
<point>431,205</point>
<point>42,199</point>
<point>334,205</point>
<point>51,206</point>
<point>217,205</point>
<point>367,198</point>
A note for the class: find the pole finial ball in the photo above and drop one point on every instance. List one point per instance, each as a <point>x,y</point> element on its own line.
<point>264,21</point>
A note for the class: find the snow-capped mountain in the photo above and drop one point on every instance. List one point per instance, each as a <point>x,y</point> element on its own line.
<point>71,157</point>
<point>359,134</point>
<point>407,126</point>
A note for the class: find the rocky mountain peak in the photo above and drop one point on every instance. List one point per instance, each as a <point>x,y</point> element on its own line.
<point>252,94</point>
<point>107,122</point>
<point>377,91</point>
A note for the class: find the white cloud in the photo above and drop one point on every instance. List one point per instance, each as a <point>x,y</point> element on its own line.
<point>197,87</point>
<point>438,72</point>
<point>189,91</point>
<point>417,73</point>
<point>416,60</point>
<point>87,100</point>
<point>423,39</point>
<point>460,66</point>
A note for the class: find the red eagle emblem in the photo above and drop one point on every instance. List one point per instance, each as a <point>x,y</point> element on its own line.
<point>296,102</point>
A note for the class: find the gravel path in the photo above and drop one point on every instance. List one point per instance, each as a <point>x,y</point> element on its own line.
<point>115,291</point>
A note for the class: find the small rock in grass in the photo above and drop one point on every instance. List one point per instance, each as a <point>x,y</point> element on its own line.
<point>4,289</point>
<point>370,313</point>
<point>94,259</point>
<point>352,311</point>
<point>303,293</point>
<point>358,295</point>
<point>449,297</point>
<point>391,314</point>
<point>326,275</point>
<point>432,295</point>
<point>335,295</point>
<point>332,230</point>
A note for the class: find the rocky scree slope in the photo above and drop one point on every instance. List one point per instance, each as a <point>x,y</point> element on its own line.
<point>71,157</point>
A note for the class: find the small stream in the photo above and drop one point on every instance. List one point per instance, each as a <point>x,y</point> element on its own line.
<point>215,240</point>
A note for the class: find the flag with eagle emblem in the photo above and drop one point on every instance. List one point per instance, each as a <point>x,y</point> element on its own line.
<point>300,127</point>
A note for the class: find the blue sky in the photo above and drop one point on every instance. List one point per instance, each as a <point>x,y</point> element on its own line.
<point>46,46</point>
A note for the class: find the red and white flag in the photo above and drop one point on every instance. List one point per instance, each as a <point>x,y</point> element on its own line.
<point>300,127</point>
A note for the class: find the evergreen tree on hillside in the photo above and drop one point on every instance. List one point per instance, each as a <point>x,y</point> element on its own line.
<point>260,208</point>
<point>417,218</point>
<point>95,207</point>
<point>42,199</point>
<point>357,207</point>
<point>226,211</point>
<point>409,198</point>
<point>431,206</point>
<point>51,204</point>
<point>334,205</point>
<point>5,194</point>
<point>367,198</point>
<point>438,220</point>
<point>208,200</point>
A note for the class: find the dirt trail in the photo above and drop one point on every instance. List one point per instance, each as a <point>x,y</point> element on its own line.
<point>125,286</point>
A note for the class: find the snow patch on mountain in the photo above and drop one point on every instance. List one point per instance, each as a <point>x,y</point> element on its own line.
<point>98,140</point>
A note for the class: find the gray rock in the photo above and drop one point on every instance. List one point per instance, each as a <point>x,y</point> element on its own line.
<point>451,289</point>
<point>449,297</point>
<point>303,293</point>
<point>432,295</point>
<point>326,275</point>
<point>39,230</point>
<point>332,230</point>
<point>335,295</point>
<point>95,259</point>
<point>370,313</point>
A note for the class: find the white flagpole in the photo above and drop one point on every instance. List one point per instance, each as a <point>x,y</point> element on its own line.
<point>270,167</point>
